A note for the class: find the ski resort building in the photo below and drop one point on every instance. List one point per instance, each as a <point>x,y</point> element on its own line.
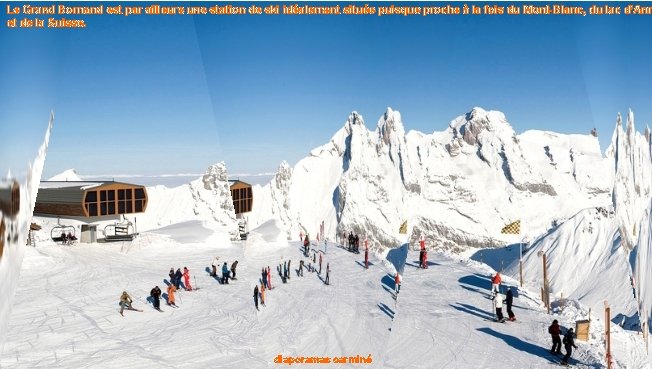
<point>90,202</point>
<point>242,196</point>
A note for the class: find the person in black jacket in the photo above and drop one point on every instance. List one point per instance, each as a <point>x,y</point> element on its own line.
<point>569,344</point>
<point>156,295</point>
<point>233,266</point>
<point>177,280</point>
<point>171,274</point>
<point>256,296</point>
<point>509,299</point>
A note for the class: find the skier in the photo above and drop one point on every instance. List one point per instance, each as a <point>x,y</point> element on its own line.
<point>171,291</point>
<point>422,253</point>
<point>177,278</point>
<point>156,295</point>
<point>301,268</point>
<point>425,259</point>
<point>264,274</point>
<point>397,283</point>
<point>233,266</point>
<point>214,265</point>
<point>262,294</point>
<point>186,279</point>
<point>495,284</point>
<point>289,269</point>
<point>269,278</point>
<point>569,344</point>
<point>319,263</point>
<point>301,236</point>
<point>509,299</point>
<point>555,333</point>
<point>356,243</point>
<point>366,254</point>
<point>125,302</point>
<point>285,271</point>
<point>498,304</point>
<point>256,296</point>
<point>171,274</point>
<point>225,274</point>
<point>328,270</point>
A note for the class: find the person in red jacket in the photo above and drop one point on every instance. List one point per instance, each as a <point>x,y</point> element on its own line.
<point>397,283</point>
<point>186,279</point>
<point>495,284</point>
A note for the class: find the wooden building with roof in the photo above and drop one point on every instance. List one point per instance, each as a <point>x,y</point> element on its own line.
<point>242,195</point>
<point>89,202</point>
<point>89,199</point>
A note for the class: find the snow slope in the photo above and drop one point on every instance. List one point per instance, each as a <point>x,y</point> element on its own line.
<point>438,319</point>
<point>17,233</point>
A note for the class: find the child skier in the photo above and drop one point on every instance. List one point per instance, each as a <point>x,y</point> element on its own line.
<point>498,304</point>
<point>171,291</point>
<point>262,294</point>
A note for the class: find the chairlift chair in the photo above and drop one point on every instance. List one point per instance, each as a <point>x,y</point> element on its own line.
<point>59,230</point>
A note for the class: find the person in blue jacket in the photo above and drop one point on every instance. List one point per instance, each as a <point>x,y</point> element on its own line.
<point>225,274</point>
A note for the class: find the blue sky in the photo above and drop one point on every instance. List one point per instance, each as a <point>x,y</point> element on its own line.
<point>156,95</point>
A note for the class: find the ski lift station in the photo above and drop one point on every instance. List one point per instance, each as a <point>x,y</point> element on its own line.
<point>243,200</point>
<point>91,203</point>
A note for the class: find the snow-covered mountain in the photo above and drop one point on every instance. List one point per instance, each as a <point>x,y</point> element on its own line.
<point>596,254</point>
<point>457,188</point>
<point>207,199</point>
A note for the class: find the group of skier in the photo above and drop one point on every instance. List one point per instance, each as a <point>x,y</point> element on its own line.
<point>226,272</point>
<point>569,342</point>
<point>175,278</point>
<point>353,242</point>
<point>554,330</point>
<point>499,300</point>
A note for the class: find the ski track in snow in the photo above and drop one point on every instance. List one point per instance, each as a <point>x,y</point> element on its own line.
<point>66,312</point>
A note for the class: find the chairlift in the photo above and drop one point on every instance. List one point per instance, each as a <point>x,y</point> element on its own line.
<point>59,233</point>
<point>120,231</point>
